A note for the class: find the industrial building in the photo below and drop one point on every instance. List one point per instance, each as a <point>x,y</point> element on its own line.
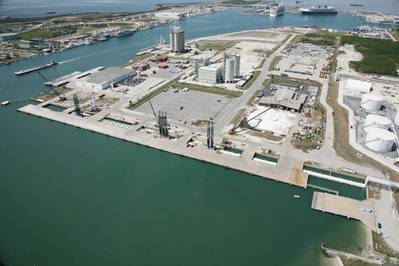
<point>177,42</point>
<point>286,99</point>
<point>104,78</point>
<point>209,74</point>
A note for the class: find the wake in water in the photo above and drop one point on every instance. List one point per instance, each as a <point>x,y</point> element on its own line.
<point>120,47</point>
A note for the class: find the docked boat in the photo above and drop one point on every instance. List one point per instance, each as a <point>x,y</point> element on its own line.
<point>103,37</point>
<point>5,103</point>
<point>277,10</point>
<point>319,10</point>
<point>124,33</point>
<point>36,68</point>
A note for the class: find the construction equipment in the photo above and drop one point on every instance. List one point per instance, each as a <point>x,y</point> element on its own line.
<point>152,108</point>
<point>77,106</point>
<point>210,134</point>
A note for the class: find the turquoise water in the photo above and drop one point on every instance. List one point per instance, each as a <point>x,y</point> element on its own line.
<point>30,8</point>
<point>72,197</point>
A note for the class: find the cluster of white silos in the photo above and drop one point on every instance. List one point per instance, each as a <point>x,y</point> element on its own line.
<point>371,102</point>
<point>378,136</point>
<point>231,67</point>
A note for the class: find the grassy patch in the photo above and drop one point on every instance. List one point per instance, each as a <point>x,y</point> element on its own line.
<point>240,2</point>
<point>354,262</point>
<point>380,246</point>
<point>379,56</point>
<point>249,83</point>
<point>253,97</point>
<point>266,135</point>
<point>214,90</point>
<point>290,81</point>
<point>41,34</point>
<point>275,62</point>
<point>237,117</point>
<point>85,29</point>
<point>149,96</point>
<point>321,38</point>
<point>200,123</point>
<point>395,34</point>
<point>218,46</point>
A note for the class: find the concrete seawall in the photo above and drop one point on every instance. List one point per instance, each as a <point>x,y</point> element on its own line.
<point>286,171</point>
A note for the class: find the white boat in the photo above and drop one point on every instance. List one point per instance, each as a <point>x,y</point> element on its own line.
<point>297,196</point>
<point>277,10</point>
<point>319,10</point>
<point>5,103</point>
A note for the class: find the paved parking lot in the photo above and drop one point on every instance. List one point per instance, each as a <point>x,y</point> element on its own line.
<point>186,105</point>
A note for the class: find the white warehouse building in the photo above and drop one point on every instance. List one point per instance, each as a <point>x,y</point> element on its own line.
<point>104,78</point>
<point>208,74</point>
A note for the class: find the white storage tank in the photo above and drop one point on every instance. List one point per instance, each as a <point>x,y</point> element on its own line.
<point>397,118</point>
<point>229,72</point>
<point>237,57</point>
<point>371,102</point>
<point>380,140</point>
<point>376,121</point>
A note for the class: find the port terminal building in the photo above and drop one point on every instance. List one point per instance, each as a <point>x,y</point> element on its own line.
<point>104,78</point>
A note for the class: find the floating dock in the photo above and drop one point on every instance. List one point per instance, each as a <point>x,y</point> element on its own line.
<point>36,68</point>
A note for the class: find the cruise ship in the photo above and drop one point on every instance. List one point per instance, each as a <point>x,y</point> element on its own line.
<point>277,10</point>
<point>319,10</point>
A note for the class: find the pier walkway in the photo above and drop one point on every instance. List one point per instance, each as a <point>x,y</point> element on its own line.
<point>362,210</point>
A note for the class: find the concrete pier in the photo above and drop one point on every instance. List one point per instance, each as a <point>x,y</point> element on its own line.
<point>287,170</point>
<point>362,210</point>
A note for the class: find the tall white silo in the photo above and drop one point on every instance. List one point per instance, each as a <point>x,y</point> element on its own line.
<point>229,71</point>
<point>237,58</point>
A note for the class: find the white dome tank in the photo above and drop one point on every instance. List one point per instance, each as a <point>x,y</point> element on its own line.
<point>371,102</point>
<point>376,121</point>
<point>380,140</point>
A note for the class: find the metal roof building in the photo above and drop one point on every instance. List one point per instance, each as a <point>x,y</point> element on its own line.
<point>105,78</point>
<point>285,98</point>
